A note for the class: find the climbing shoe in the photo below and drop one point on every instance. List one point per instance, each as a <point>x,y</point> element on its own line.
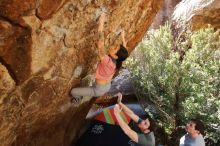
<point>76,100</point>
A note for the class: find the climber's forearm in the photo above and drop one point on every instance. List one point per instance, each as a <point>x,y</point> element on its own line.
<point>123,39</point>
<point>101,26</point>
<point>101,44</point>
<point>129,112</point>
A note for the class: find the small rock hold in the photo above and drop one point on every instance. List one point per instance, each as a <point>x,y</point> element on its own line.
<point>65,107</point>
<point>86,2</point>
<point>78,71</point>
<point>71,8</point>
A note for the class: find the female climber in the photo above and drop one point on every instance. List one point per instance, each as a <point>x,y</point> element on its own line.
<point>106,67</point>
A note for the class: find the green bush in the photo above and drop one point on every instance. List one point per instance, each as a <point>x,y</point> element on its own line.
<point>184,87</point>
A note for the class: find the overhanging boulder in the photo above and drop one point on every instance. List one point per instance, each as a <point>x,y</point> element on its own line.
<point>46,47</point>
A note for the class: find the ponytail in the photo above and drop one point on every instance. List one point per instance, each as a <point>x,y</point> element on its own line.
<point>122,55</point>
<point>118,64</point>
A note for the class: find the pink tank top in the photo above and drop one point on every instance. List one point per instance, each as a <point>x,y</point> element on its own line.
<point>105,69</point>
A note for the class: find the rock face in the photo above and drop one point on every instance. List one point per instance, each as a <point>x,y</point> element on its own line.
<point>46,47</point>
<point>7,84</point>
<point>197,14</point>
<point>165,13</point>
<point>122,83</point>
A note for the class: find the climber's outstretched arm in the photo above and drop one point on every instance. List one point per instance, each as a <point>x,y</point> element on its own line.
<point>101,42</point>
<point>127,110</point>
<point>123,39</point>
<point>124,126</point>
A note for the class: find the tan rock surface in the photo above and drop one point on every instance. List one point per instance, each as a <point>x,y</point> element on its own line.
<point>197,14</point>
<point>165,13</point>
<point>7,84</point>
<point>46,47</point>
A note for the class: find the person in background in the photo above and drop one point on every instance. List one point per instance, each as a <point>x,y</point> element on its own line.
<point>140,130</point>
<point>193,137</point>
